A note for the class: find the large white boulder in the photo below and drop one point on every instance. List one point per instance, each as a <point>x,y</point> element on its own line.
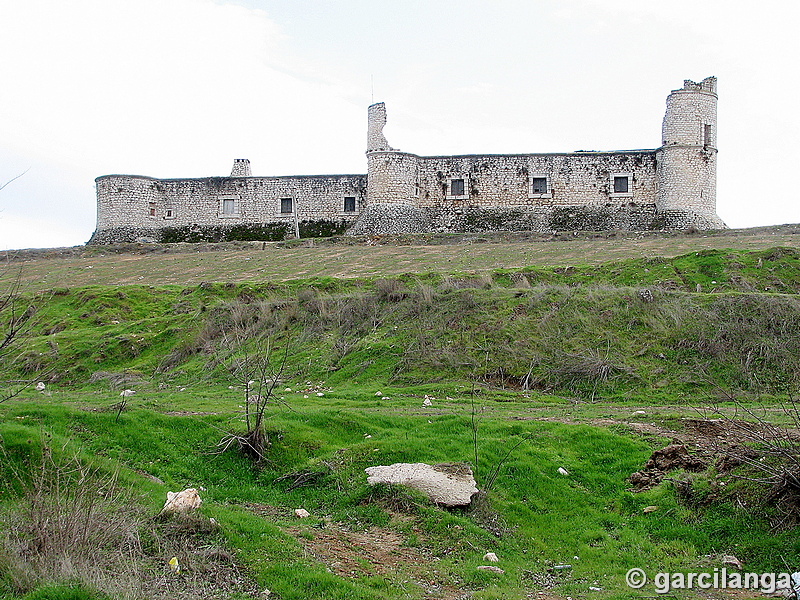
<point>182,502</point>
<point>448,484</point>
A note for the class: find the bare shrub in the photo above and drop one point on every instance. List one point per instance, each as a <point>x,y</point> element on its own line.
<point>592,366</point>
<point>769,453</point>
<point>390,290</point>
<point>249,362</point>
<point>520,280</point>
<point>75,523</point>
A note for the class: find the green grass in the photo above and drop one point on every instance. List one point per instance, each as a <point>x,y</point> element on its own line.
<point>554,359</point>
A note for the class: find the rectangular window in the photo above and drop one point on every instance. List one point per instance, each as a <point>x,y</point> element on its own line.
<point>621,184</point>
<point>707,141</point>
<point>228,206</point>
<point>169,214</point>
<point>349,204</point>
<point>456,187</point>
<point>151,207</point>
<point>539,185</point>
<point>286,205</point>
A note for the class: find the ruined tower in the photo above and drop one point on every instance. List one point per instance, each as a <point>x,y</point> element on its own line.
<point>686,162</point>
<point>392,191</point>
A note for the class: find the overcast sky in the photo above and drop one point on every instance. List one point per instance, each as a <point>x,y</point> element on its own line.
<point>180,88</point>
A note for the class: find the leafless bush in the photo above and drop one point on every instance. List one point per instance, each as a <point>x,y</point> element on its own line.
<point>249,362</point>
<point>390,290</point>
<point>770,453</point>
<point>592,366</point>
<point>74,523</point>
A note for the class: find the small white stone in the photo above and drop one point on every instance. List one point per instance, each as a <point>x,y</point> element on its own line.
<point>301,513</point>
<point>562,471</point>
<point>491,557</point>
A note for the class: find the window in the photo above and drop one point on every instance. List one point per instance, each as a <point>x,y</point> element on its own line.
<point>228,206</point>
<point>286,205</point>
<point>457,188</point>
<point>707,139</point>
<point>169,213</point>
<point>620,185</point>
<point>349,204</point>
<point>539,186</point>
<point>151,209</point>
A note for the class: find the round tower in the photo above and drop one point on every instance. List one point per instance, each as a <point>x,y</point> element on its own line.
<point>391,203</point>
<point>686,163</point>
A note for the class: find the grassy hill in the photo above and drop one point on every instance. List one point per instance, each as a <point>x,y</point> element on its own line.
<point>517,355</point>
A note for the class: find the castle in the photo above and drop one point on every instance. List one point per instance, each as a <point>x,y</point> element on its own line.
<point>670,187</point>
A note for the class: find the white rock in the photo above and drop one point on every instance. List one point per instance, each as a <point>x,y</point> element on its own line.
<point>127,393</point>
<point>379,393</point>
<point>491,568</point>
<point>448,484</point>
<point>301,513</point>
<point>367,436</point>
<point>562,471</point>
<point>40,386</point>
<point>426,402</point>
<point>180,502</point>
<point>320,394</point>
<point>491,557</point>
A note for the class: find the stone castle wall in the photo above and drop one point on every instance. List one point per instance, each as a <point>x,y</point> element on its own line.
<point>671,187</point>
<point>132,207</point>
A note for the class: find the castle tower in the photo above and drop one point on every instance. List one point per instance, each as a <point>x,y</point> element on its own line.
<point>686,162</point>
<point>391,184</point>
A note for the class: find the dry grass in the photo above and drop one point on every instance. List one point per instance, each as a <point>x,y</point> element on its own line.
<point>188,265</point>
<point>76,524</point>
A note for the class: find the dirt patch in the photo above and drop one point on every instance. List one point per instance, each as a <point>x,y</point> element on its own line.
<point>377,551</point>
<point>661,462</point>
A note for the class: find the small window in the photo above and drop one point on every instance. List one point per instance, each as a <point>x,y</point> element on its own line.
<point>228,206</point>
<point>621,184</point>
<point>286,205</point>
<point>456,187</point>
<point>151,207</point>
<point>169,214</point>
<point>539,185</point>
<point>707,139</point>
<point>349,204</point>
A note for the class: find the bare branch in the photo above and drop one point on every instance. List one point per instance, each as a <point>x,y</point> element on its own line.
<point>14,178</point>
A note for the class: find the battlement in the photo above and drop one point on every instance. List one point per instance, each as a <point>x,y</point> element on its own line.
<point>709,84</point>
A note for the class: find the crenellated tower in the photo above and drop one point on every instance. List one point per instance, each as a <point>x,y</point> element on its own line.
<point>686,162</point>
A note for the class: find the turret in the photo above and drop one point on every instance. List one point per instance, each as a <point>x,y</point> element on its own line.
<point>687,160</point>
<point>241,168</point>
<point>391,184</point>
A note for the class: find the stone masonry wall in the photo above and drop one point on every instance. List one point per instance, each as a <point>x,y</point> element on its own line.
<point>672,187</point>
<point>145,204</point>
